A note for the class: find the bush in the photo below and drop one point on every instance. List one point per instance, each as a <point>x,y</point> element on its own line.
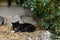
<point>47,12</point>
<point>49,15</point>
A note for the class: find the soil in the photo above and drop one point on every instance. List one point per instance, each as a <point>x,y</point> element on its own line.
<point>6,34</point>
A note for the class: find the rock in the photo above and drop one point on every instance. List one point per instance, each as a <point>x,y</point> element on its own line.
<point>46,35</point>
<point>10,19</point>
<point>1,20</point>
<point>28,19</point>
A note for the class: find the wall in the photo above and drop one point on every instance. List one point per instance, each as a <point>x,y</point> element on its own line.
<point>13,10</point>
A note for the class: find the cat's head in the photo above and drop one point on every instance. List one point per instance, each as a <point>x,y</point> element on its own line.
<point>15,24</point>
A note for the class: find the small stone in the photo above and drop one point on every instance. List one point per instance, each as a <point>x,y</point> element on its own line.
<point>29,38</point>
<point>1,20</point>
<point>11,19</point>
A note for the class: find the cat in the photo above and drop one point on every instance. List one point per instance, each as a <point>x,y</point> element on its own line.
<point>23,27</point>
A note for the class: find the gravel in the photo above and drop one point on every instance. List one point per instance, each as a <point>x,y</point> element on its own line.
<point>6,34</point>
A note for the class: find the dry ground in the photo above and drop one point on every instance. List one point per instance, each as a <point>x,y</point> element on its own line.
<point>6,34</point>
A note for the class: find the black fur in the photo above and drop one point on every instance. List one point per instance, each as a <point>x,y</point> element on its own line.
<point>24,27</point>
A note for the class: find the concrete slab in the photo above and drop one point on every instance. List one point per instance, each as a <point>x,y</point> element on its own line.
<point>13,10</point>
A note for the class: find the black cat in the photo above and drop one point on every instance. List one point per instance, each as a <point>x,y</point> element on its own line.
<point>23,27</point>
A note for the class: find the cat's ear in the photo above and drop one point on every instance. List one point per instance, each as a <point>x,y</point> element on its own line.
<point>12,22</point>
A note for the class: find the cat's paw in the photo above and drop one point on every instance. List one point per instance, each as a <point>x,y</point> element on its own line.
<point>13,31</point>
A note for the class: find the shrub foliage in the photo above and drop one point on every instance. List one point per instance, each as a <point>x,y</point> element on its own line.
<point>47,12</point>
